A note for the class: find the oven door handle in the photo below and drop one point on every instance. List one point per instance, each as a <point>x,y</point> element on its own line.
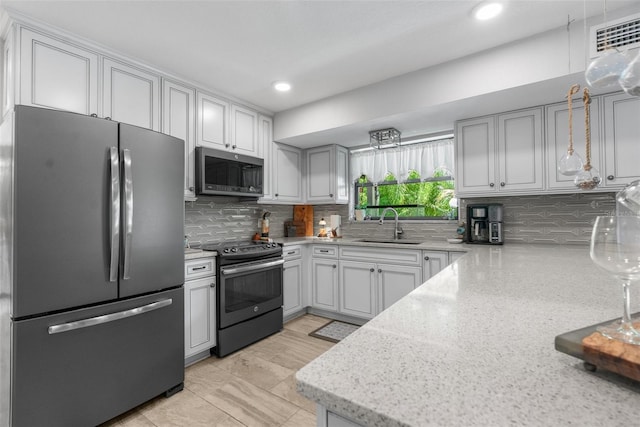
<point>252,267</point>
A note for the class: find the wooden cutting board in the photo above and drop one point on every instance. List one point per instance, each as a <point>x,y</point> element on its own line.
<point>304,213</point>
<point>612,355</point>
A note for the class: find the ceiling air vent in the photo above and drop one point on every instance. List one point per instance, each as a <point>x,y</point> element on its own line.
<point>622,34</point>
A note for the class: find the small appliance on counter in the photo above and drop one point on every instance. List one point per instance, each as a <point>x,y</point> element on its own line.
<point>484,224</point>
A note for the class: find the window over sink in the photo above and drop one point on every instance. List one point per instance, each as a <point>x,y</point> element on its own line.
<point>416,180</point>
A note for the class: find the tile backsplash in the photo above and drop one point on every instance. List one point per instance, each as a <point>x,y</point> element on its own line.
<point>559,219</point>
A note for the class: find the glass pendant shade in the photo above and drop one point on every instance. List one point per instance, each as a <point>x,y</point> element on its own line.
<point>629,197</point>
<point>587,179</point>
<point>570,164</point>
<point>604,72</point>
<point>630,77</point>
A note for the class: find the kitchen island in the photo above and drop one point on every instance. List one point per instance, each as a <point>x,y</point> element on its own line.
<point>474,346</point>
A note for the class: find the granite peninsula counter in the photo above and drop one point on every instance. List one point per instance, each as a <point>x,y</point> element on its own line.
<point>474,346</point>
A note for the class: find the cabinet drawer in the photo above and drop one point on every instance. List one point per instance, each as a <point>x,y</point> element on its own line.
<point>322,251</point>
<point>291,252</point>
<point>389,256</point>
<point>196,268</point>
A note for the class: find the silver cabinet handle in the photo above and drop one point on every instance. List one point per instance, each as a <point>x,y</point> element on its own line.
<point>93,321</point>
<point>128,212</point>
<point>114,220</point>
<point>502,184</point>
<point>491,184</point>
<point>426,258</point>
<point>199,268</point>
<point>291,252</point>
<point>379,270</point>
<point>213,285</point>
<point>324,251</point>
<point>251,267</point>
<point>372,270</point>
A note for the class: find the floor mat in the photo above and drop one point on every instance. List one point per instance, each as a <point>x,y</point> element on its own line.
<point>334,331</point>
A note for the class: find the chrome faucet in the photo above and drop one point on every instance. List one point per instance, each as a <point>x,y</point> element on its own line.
<point>397,231</point>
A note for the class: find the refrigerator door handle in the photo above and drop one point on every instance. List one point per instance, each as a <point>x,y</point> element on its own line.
<point>114,226</point>
<point>93,321</point>
<point>128,213</point>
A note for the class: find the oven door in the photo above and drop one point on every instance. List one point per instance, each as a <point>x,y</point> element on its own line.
<point>249,290</point>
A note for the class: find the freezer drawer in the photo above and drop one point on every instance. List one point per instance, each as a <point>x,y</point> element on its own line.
<point>74,369</point>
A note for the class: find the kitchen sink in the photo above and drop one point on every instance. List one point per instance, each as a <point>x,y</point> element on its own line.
<point>394,241</point>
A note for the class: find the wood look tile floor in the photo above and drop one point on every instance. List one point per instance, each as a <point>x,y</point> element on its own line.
<point>252,387</point>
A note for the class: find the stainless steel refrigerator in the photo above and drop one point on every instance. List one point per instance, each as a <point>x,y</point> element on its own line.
<point>91,267</point>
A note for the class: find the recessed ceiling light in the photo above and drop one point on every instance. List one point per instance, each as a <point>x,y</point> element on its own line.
<point>282,86</point>
<point>487,10</point>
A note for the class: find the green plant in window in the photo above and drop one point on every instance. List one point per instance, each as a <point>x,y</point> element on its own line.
<point>362,193</point>
<point>390,194</point>
<point>435,196</point>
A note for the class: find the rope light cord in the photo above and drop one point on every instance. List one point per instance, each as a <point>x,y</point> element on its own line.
<point>572,91</point>
<point>586,99</point>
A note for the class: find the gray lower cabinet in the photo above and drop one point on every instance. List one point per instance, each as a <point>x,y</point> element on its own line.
<point>199,308</point>
<point>292,280</point>
<point>433,262</point>
<point>325,284</point>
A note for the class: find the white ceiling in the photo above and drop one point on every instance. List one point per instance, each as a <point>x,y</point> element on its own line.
<point>323,48</point>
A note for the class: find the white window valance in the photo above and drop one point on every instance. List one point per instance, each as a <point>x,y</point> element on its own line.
<point>425,158</point>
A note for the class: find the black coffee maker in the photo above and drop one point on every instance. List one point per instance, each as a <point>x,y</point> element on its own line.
<point>484,224</point>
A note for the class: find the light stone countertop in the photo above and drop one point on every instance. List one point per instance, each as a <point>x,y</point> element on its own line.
<point>474,346</point>
<point>437,245</point>
<point>195,253</point>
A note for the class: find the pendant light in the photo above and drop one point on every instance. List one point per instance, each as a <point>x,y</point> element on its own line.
<point>571,163</point>
<point>630,77</point>
<point>589,177</point>
<point>605,71</point>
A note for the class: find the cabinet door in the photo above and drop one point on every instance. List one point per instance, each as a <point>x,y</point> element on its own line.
<point>358,289</point>
<point>292,286</point>
<point>288,174</point>
<point>324,284</point>
<point>199,315</point>
<point>520,150</point>
<point>213,116</point>
<point>395,282</point>
<point>320,174</point>
<point>57,75</point>
<point>342,185</point>
<point>244,131</point>
<point>178,119</point>
<point>131,95</point>
<point>265,133</point>
<point>475,156</point>
<point>557,137</point>
<point>8,66</point>
<point>432,263</point>
<point>621,146</point>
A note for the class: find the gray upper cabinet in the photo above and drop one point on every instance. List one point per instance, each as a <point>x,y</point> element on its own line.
<point>501,154</point>
<point>131,95</point>
<point>621,134</point>
<point>244,131</point>
<point>179,120</point>
<point>213,119</point>
<point>287,174</point>
<point>475,156</point>
<point>327,175</point>
<point>54,74</point>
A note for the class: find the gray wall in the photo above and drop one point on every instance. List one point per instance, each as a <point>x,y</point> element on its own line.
<point>559,219</point>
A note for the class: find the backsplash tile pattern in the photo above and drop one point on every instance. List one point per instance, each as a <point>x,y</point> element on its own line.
<point>555,219</point>
<point>216,219</point>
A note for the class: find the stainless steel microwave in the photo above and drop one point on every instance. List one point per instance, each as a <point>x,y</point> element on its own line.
<point>224,173</point>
